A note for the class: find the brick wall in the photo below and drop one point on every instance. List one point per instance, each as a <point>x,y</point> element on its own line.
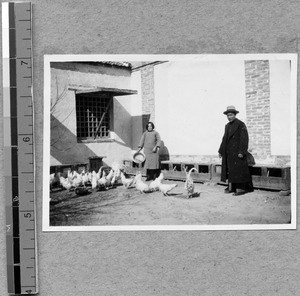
<point>148,106</point>
<point>258,107</point>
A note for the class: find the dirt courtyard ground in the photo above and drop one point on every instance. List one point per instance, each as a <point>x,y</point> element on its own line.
<point>210,206</point>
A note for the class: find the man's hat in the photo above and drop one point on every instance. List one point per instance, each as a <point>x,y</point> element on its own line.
<point>230,109</point>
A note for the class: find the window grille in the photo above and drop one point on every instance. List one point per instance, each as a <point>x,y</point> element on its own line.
<point>91,109</point>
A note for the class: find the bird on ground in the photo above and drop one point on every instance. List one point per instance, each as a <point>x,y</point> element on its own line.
<point>165,188</point>
<point>154,185</point>
<point>189,183</point>
<point>127,182</point>
<point>102,182</point>
<point>94,180</point>
<point>54,180</point>
<point>140,185</point>
<point>85,178</point>
<point>77,180</point>
<point>70,175</point>
<point>109,177</point>
<point>65,183</point>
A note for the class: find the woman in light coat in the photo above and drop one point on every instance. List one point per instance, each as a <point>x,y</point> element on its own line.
<point>151,142</point>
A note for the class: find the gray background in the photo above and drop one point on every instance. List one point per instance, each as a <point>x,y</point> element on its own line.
<point>159,263</point>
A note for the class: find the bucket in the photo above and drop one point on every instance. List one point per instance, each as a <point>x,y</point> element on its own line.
<point>138,157</point>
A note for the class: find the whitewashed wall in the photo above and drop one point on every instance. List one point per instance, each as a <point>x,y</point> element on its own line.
<point>280,103</point>
<point>190,99</point>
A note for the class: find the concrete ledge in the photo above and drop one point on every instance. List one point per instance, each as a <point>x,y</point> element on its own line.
<point>263,176</point>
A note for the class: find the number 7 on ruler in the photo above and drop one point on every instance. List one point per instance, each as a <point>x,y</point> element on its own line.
<point>18,148</point>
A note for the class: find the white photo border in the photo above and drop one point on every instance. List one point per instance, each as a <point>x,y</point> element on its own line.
<point>293,57</point>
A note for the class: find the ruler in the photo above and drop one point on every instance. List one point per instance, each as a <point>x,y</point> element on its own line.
<point>18,148</point>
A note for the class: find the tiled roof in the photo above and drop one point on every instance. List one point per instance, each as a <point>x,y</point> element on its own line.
<point>111,63</point>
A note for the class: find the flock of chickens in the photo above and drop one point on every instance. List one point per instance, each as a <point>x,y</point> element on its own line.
<point>83,182</point>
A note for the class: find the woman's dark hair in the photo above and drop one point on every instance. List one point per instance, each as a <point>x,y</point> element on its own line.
<point>150,122</point>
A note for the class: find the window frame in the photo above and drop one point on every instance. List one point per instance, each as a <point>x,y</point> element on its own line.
<point>96,95</point>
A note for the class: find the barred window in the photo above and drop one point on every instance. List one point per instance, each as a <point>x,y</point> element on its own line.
<point>93,115</point>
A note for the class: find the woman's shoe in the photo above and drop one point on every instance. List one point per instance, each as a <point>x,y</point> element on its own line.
<point>228,191</point>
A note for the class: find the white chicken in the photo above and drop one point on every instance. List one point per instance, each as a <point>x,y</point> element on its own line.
<point>54,180</point>
<point>65,183</point>
<point>165,188</point>
<point>99,174</point>
<point>105,180</point>
<point>154,185</point>
<point>140,185</point>
<point>70,175</point>
<point>101,182</point>
<point>113,180</point>
<point>127,182</point>
<point>189,183</point>
<point>77,180</point>
<point>94,180</point>
<point>85,178</point>
<point>89,177</point>
<point>109,177</point>
<point>116,167</point>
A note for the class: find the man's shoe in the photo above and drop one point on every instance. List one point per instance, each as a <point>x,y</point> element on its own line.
<point>228,191</point>
<point>239,192</point>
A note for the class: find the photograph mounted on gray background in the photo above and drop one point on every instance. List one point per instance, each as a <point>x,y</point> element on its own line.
<point>169,142</point>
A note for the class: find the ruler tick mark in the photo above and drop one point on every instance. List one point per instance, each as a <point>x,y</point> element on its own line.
<point>20,30</point>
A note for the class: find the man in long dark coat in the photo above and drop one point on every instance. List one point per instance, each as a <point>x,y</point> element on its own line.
<point>233,151</point>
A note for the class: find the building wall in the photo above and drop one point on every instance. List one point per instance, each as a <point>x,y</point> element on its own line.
<point>269,108</point>
<point>64,148</point>
<point>280,106</point>
<point>257,76</point>
<point>190,98</point>
<point>136,109</point>
<point>148,96</point>
<point>185,100</point>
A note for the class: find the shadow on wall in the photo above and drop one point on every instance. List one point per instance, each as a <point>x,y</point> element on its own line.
<point>64,146</point>
<point>164,152</point>
<point>136,130</point>
<point>145,120</point>
<point>122,126</point>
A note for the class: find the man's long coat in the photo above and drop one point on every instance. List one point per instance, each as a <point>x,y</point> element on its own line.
<point>235,141</point>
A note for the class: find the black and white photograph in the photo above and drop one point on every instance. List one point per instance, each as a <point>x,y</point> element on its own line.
<point>169,142</point>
